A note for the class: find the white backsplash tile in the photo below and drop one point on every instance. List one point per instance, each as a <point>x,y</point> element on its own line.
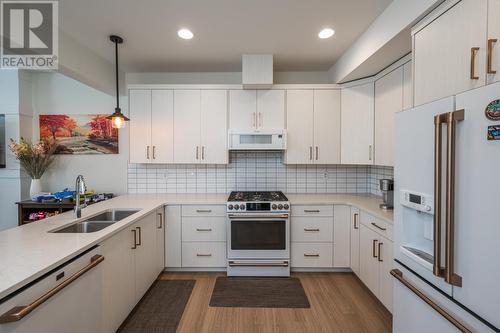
<point>253,171</point>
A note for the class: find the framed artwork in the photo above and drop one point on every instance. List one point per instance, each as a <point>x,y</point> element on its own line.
<point>80,134</point>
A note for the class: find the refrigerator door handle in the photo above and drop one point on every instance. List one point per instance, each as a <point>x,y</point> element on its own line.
<point>438,138</point>
<point>450,276</point>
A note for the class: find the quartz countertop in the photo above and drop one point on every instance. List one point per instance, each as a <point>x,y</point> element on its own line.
<point>30,251</point>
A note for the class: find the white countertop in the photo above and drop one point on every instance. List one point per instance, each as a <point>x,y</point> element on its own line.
<point>29,251</point>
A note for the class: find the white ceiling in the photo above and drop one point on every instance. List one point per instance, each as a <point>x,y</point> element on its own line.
<point>224,30</point>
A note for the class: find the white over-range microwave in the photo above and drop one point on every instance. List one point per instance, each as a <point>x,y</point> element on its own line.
<point>257,140</point>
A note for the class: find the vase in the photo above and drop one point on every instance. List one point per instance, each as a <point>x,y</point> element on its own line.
<point>35,187</point>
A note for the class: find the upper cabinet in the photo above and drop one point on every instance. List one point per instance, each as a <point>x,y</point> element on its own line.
<point>493,60</point>
<point>450,49</point>
<point>257,109</point>
<point>313,127</point>
<point>214,127</point>
<point>151,128</point>
<point>388,101</point>
<point>357,124</point>
<point>407,86</point>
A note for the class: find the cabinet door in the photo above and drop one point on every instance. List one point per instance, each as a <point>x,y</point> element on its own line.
<point>357,124</point>
<point>145,255</point>
<point>368,260</point>
<point>388,101</point>
<point>162,126</point>
<point>494,33</point>
<point>408,86</point>
<point>341,236</point>
<point>386,264</point>
<point>173,236</point>
<point>355,240</point>
<point>270,109</point>
<point>214,127</point>
<point>299,126</point>
<point>140,126</point>
<point>442,52</point>
<point>160,240</point>
<point>118,273</point>
<point>243,109</point>
<point>327,126</point>
<point>187,126</point>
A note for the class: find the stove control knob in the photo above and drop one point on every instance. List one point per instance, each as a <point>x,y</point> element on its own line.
<point>236,207</point>
<point>230,207</point>
<point>280,206</point>
<point>274,206</point>
<point>286,206</point>
<point>242,207</point>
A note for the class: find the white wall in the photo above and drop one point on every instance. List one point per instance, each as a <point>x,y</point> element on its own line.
<point>57,94</point>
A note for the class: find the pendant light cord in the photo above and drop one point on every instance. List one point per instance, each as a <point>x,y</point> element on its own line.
<point>117,87</point>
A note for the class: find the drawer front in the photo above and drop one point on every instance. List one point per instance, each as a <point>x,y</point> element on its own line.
<point>203,229</point>
<point>312,210</point>
<point>378,225</point>
<point>203,254</point>
<point>204,210</point>
<point>318,255</point>
<point>311,229</point>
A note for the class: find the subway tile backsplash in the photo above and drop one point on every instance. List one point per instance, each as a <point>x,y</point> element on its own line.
<point>254,171</point>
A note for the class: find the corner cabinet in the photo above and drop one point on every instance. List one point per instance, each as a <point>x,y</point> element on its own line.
<point>151,126</point>
<point>313,127</point>
<point>357,124</point>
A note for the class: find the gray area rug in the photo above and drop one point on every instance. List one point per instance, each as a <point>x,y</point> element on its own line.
<point>161,308</point>
<point>259,293</point>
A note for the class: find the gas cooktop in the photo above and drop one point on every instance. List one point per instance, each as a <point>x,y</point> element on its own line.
<point>258,201</point>
<point>257,196</point>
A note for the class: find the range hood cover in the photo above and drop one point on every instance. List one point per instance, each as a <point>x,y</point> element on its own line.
<point>257,71</point>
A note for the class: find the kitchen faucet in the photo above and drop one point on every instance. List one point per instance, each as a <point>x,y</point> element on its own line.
<point>80,187</point>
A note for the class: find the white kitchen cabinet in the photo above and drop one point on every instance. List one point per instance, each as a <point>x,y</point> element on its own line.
<point>160,240</point>
<point>313,127</point>
<point>442,50</point>
<point>493,71</point>
<point>151,127</point>
<point>204,254</point>
<point>341,236</point>
<point>386,258</point>
<point>311,255</point>
<point>369,265</point>
<point>173,240</point>
<point>388,101</point>
<point>408,86</point>
<point>213,127</point>
<point>243,109</point>
<point>311,230</point>
<point>355,240</point>
<point>300,126</point>
<point>270,109</point>
<point>187,126</point>
<point>145,255</point>
<point>327,126</point>
<point>140,126</point>
<point>357,124</point>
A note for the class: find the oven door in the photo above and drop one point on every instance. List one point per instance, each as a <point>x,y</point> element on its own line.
<point>258,236</point>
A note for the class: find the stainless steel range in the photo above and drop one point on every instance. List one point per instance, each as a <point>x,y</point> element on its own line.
<point>258,234</point>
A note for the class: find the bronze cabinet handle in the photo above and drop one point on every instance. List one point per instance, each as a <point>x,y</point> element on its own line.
<point>202,152</point>
<point>438,139</point>
<point>135,239</point>
<point>19,312</point>
<point>208,230</point>
<point>140,235</point>
<point>374,254</point>
<point>310,152</point>
<point>312,229</point>
<point>317,153</point>
<point>203,210</point>
<point>370,152</point>
<point>307,255</point>
<point>473,52</point>
<point>203,254</point>
<point>380,251</point>
<point>197,152</point>
<point>154,151</point>
<point>377,226</point>
<point>399,276</point>
<point>356,226</point>
<point>491,42</point>
<point>311,210</point>
<point>160,215</point>
<point>147,152</point>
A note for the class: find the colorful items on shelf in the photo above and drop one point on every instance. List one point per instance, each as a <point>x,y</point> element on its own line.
<point>41,215</point>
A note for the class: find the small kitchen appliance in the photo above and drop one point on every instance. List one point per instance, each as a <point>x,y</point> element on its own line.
<point>387,189</point>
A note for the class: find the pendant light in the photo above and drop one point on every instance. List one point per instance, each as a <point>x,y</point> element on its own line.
<point>117,118</point>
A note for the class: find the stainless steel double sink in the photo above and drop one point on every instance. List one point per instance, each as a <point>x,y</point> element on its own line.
<point>97,222</point>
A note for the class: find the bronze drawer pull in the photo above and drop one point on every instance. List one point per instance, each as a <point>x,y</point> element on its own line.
<point>356,226</point>
<point>399,276</point>
<point>312,230</point>
<point>161,220</point>
<point>491,42</point>
<point>19,312</point>
<point>203,210</point>
<point>203,255</point>
<point>379,227</point>
<point>374,254</point>
<point>311,210</point>
<point>473,52</point>
<point>311,255</point>
<point>380,251</point>
<point>140,235</point>
<point>198,229</point>
<point>135,239</point>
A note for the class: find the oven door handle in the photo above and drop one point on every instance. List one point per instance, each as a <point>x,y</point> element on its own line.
<point>257,217</point>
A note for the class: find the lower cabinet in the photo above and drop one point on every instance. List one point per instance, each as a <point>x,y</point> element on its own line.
<point>173,240</point>
<point>203,254</point>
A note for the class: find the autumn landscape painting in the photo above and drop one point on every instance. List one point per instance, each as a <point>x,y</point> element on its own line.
<point>80,134</point>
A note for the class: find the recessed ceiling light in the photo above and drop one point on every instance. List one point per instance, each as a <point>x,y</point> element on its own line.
<point>326,33</point>
<point>185,34</point>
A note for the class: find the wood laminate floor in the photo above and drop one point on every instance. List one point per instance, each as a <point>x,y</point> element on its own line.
<point>339,303</point>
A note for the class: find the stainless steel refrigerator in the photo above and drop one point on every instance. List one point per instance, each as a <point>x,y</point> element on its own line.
<point>447,215</point>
